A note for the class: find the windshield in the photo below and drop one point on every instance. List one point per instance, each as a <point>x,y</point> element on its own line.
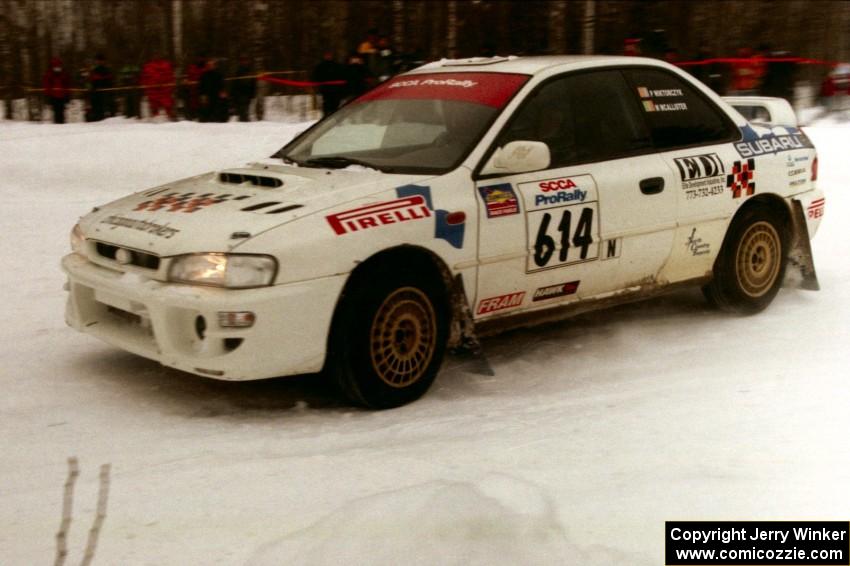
<point>410,124</point>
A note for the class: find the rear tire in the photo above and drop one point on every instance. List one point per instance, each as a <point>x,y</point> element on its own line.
<point>389,337</point>
<point>751,265</point>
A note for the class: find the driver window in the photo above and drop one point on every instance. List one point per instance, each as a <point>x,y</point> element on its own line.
<point>582,117</point>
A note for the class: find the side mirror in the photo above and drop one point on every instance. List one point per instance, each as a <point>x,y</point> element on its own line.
<point>518,157</point>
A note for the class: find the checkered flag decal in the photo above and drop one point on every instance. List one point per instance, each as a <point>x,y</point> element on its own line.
<point>741,178</point>
<point>185,202</point>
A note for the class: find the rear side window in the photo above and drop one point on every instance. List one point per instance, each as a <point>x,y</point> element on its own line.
<point>582,117</point>
<point>678,115</point>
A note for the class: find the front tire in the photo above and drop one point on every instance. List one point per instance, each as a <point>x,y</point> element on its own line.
<point>751,265</point>
<point>389,337</point>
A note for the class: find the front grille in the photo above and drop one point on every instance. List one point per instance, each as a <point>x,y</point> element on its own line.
<point>132,257</point>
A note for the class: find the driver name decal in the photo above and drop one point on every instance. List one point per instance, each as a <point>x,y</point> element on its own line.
<point>379,214</point>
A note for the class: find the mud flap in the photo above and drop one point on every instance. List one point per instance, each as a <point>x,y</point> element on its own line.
<point>463,340</point>
<point>800,255</point>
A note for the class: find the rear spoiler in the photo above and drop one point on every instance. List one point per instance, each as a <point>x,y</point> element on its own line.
<point>764,110</point>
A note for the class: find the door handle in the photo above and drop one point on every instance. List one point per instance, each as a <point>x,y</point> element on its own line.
<point>652,186</point>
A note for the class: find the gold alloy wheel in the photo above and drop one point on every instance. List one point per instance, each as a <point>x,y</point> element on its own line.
<point>403,337</point>
<point>758,259</point>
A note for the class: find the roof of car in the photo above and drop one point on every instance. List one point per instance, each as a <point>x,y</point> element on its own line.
<point>530,65</point>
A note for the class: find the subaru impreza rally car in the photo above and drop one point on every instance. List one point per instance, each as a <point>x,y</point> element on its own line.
<point>451,202</point>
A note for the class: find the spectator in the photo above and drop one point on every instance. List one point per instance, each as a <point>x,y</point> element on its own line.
<point>243,89</point>
<point>385,65</point>
<point>779,77</point>
<point>128,77</point>
<point>158,80</point>
<point>747,72</point>
<point>100,77</point>
<point>358,77</point>
<point>368,51</point>
<point>212,94</point>
<point>193,79</point>
<point>57,89</point>
<point>327,71</point>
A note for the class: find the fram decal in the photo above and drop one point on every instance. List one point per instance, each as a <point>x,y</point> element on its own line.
<point>741,178</point>
<point>761,141</point>
<point>185,202</point>
<point>379,214</point>
<point>815,209</point>
<point>553,291</point>
<point>500,200</point>
<point>501,302</point>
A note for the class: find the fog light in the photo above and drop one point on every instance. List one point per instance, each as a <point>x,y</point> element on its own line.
<point>244,319</point>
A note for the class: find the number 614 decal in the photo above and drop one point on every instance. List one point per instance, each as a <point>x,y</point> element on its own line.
<point>563,236</point>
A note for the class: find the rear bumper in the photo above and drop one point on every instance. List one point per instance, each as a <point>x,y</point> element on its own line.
<point>160,321</point>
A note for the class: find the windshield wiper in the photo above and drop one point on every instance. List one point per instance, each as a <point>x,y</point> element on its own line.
<point>338,162</point>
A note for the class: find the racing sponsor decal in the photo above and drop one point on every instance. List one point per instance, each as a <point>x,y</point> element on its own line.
<point>490,89</point>
<point>160,230</point>
<point>562,221</point>
<point>797,182</point>
<point>696,246</point>
<point>758,140</point>
<point>502,302</point>
<point>741,178</point>
<point>548,193</point>
<point>795,172</point>
<point>815,209</point>
<point>185,202</point>
<point>553,291</point>
<point>500,200</point>
<point>702,175</point>
<point>449,226</point>
<point>379,214</point>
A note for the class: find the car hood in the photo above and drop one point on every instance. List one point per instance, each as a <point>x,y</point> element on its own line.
<point>217,211</point>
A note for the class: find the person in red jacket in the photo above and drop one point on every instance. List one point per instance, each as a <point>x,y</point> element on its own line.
<point>158,80</point>
<point>57,89</point>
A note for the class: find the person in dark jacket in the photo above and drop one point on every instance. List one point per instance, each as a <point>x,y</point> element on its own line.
<point>359,78</point>
<point>57,89</point>
<point>100,77</point>
<point>243,90</point>
<point>213,96</point>
<point>330,71</point>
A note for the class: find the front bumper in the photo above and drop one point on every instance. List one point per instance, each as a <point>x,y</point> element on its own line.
<point>162,321</point>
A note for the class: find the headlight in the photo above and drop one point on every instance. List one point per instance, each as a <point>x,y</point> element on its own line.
<point>234,271</point>
<point>77,239</point>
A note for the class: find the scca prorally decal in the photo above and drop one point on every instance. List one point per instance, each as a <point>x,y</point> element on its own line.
<point>443,229</point>
<point>762,141</point>
<point>500,200</point>
<point>501,302</point>
<point>559,191</point>
<point>553,291</point>
<point>741,178</point>
<point>379,214</point>
<point>815,209</point>
<point>702,175</point>
<point>185,202</point>
<point>161,230</point>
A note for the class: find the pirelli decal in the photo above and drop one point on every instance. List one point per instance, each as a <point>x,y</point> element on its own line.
<point>380,214</point>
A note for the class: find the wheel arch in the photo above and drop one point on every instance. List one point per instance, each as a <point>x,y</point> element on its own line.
<point>416,257</point>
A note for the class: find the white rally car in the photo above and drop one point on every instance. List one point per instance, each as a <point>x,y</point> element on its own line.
<point>454,201</point>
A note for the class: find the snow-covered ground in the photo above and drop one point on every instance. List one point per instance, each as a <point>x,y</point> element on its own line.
<point>590,435</point>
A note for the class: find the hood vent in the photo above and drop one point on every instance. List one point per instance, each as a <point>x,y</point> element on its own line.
<point>256,180</point>
<point>262,205</point>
